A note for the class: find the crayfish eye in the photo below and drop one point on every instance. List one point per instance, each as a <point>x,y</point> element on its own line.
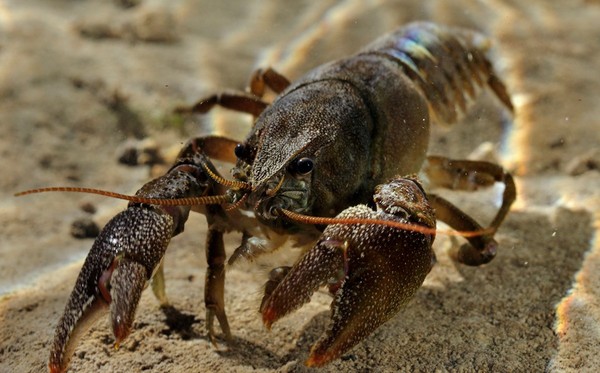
<point>303,166</point>
<point>274,211</point>
<point>201,176</point>
<point>240,151</point>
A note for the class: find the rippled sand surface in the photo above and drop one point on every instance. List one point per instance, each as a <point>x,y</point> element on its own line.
<point>80,78</point>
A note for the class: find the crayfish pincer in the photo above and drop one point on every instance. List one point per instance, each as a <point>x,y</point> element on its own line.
<point>372,270</point>
<point>129,251</point>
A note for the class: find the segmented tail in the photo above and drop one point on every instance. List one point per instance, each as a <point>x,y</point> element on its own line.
<point>447,64</point>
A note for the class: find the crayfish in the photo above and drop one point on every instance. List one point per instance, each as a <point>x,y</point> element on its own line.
<point>332,160</point>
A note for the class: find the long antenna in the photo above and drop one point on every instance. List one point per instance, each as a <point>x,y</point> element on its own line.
<point>189,201</point>
<point>389,223</point>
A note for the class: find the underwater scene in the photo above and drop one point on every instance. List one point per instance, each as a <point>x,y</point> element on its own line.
<point>481,115</point>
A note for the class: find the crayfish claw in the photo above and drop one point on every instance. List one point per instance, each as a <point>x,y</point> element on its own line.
<point>372,270</point>
<point>315,269</point>
<point>74,323</point>
<point>113,276</point>
<point>382,276</point>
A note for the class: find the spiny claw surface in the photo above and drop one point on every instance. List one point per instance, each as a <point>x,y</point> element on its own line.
<point>314,270</point>
<point>124,257</point>
<point>114,274</point>
<point>372,270</point>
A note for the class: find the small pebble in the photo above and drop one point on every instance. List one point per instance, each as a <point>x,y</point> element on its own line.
<point>155,24</point>
<point>88,207</point>
<point>140,152</point>
<point>129,156</point>
<point>583,163</point>
<point>84,228</point>
<point>126,4</point>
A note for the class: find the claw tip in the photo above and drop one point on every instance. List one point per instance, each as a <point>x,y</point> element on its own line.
<point>269,316</point>
<point>120,331</point>
<point>53,368</point>
<point>323,353</point>
<point>316,360</point>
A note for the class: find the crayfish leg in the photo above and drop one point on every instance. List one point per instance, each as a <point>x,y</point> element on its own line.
<point>214,290</point>
<point>469,175</point>
<point>158,285</point>
<point>381,279</point>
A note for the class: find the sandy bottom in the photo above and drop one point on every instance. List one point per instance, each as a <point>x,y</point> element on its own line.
<point>78,80</point>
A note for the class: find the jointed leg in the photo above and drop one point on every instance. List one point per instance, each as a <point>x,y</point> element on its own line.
<point>234,100</point>
<point>469,175</point>
<point>250,103</point>
<point>214,290</point>
<point>481,249</point>
<point>222,148</point>
<point>210,147</point>
<point>267,78</point>
<point>158,285</point>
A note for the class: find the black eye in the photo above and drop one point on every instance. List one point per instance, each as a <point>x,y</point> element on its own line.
<point>303,166</point>
<point>240,151</point>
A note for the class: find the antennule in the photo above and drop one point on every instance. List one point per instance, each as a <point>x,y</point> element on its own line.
<point>271,192</point>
